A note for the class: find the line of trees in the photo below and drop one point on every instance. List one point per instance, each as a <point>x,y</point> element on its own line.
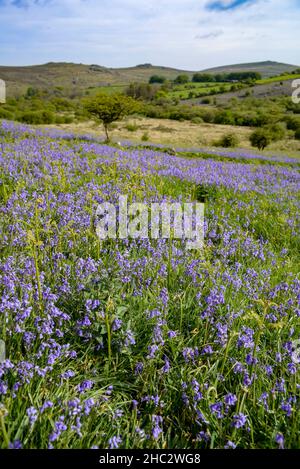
<point>223,77</point>
<point>207,78</point>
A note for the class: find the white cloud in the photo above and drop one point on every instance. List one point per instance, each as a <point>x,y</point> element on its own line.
<point>177,33</point>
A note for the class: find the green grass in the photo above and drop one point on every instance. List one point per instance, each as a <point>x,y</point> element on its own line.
<point>285,77</point>
<point>218,317</point>
<point>197,90</point>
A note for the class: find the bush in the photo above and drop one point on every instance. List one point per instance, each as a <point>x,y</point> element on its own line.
<point>157,79</point>
<point>277,131</point>
<point>68,119</point>
<point>225,118</point>
<point>229,141</point>
<point>145,137</point>
<point>197,120</point>
<point>182,79</point>
<point>260,139</point>
<point>59,120</point>
<point>131,127</point>
<point>292,123</point>
<point>297,134</point>
<point>4,114</point>
<point>37,117</point>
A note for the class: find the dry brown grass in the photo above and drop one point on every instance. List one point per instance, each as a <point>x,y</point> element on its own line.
<point>174,133</point>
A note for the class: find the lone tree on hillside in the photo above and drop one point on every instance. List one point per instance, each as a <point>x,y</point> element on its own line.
<point>157,79</point>
<point>260,139</point>
<point>110,108</point>
<point>181,79</point>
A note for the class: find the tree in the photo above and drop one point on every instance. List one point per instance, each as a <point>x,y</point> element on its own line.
<point>297,134</point>
<point>110,108</point>
<point>203,78</point>
<point>156,79</point>
<point>142,91</point>
<point>182,79</point>
<point>277,131</point>
<point>260,139</point>
<point>228,141</point>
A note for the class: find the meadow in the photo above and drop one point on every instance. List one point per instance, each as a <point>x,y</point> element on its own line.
<point>143,343</point>
<point>174,133</point>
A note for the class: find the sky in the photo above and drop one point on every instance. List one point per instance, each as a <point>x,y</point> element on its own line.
<point>185,34</point>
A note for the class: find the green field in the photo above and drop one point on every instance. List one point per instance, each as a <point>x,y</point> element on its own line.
<point>194,90</point>
<point>140,342</point>
<point>286,77</point>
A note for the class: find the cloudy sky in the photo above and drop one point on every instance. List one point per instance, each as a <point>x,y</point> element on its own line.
<point>187,34</point>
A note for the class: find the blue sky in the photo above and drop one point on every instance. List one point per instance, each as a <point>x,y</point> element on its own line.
<point>187,34</point>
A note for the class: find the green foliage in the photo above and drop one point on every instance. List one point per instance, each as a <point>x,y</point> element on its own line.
<point>182,79</point>
<point>277,131</point>
<point>260,138</point>
<point>5,114</point>
<point>297,134</point>
<point>203,78</point>
<point>234,76</point>
<point>131,127</point>
<point>145,137</point>
<point>292,123</point>
<point>229,141</point>
<point>143,91</point>
<point>31,92</point>
<point>110,108</point>
<point>62,104</point>
<point>197,120</point>
<point>205,192</point>
<point>224,117</point>
<point>37,117</point>
<point>157,79</point>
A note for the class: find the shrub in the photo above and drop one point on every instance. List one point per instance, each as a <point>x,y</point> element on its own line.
<point>260,139</point>
<point>229,140</point>
<point>68,120</point>
<point>131,127</point>
<point>277,131</point>
<point>37,117</point>
<point>297,134</point>
<point>181,79</point>
<point>197,120</point>
<point>4,114</point>
<point>292,123</point>
<point>145,137</point>
<point>224,117</point>
<point>157,79</point>
<point>59,120</point>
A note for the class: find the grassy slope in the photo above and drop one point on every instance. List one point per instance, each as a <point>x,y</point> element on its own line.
<point>79,76</point>
<point>177,134</point>
<point>267,68</point>
<point>220,302</point>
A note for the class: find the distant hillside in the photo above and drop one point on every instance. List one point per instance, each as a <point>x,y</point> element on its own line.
<point>267,69</point>
<point>79,77</point>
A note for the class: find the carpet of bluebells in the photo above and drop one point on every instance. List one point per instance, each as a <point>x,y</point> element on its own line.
<point>143,343</point>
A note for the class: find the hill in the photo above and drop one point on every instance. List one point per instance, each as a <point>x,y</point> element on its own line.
<point>267,68</point>
<point>79,77</point>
